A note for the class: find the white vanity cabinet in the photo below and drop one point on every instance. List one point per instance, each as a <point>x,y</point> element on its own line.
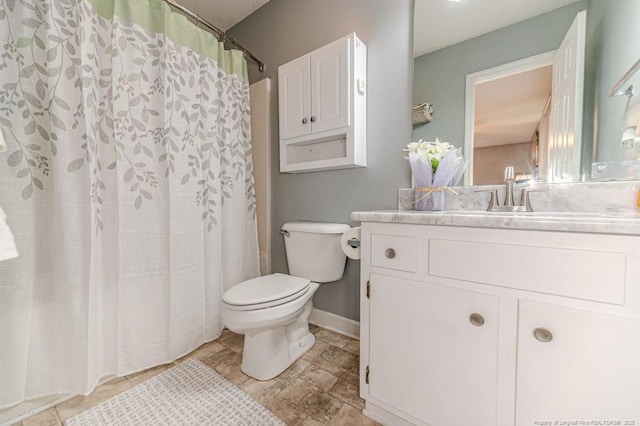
<point>322,108</point>
<point>415,325</point>
<point>476,326</point>
<point>588,370</point>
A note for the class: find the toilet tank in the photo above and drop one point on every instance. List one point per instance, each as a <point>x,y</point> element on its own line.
<point>313,250</point>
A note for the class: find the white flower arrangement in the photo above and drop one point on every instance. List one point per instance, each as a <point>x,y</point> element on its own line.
<point>435,167</point>
<point>432,151</point>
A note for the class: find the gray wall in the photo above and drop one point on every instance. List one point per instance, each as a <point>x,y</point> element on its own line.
<point>440,77</point>
<point>283,30</point>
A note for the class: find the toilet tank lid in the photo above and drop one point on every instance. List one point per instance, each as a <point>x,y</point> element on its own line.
<point>316,227</point>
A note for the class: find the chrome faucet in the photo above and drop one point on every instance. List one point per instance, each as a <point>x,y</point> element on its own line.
<point>509,180</point>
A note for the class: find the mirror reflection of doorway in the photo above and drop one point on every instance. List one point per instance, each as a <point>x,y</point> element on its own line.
<point>555,128</point>
<point>511,117</point>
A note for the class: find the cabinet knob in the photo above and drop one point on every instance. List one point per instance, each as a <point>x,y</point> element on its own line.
<point>313,118</point>
<point>476,319</point>
<point>304,120</point>
<point>390,253</point>
<point>542,335</point>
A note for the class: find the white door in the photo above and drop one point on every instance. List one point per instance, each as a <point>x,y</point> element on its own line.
<point>588,370</point>
<point>330,102</point>
<point>426,357</point>
<point>565,124</point>
<point>294,98</point>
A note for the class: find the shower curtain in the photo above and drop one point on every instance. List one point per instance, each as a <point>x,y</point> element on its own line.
<point>127,184</point>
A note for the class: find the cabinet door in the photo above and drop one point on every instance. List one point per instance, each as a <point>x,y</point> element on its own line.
<point>426,358</point>
<point>589,370</point>
<point>294,98</point>
<point>330,86</point>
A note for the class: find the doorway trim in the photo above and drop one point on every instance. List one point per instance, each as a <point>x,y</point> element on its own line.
<point>489,74</point>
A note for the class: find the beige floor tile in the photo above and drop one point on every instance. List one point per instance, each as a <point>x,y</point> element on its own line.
<point>143,375</point>
<point>295,370</point>
<point>80,403</point>
<point>225,356</point>
<point>205,351</point>
<point>232,372</point>
<point>353,346</point>
<point>286,411</point>
<point>314,328</point>
<point>349,416</point>
<point>347,390</point>
<point>256,388</point>
<point>310,421</point>
<point>297,391</point>
<point>333,338</point>
<point>319,377</point>
<point>340,357</point>
<point>321,406</point>
<point>315,351</point>
<point>332,368</point>
<point>47,417</point>
<point>231,340</point>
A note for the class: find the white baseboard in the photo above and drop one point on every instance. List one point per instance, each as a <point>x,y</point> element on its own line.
<point>336,323</point>
<point>385,417</point>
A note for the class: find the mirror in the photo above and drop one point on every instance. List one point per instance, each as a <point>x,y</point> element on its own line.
<point>507,114</point>
<point>441,78</point>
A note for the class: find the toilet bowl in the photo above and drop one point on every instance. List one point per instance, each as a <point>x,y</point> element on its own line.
<point>276,331</point>
<point>272,311</point>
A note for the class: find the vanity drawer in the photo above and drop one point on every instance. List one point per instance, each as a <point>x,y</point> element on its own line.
<point>590,273</point>
<point>394,252</point>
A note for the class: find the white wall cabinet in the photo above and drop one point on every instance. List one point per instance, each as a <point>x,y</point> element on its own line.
<point>322,107</point>
<point>487,326</point>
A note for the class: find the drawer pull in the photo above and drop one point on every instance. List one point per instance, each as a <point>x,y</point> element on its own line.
<point>542,335</point>
<point>476,319</point>
<point>390,253</point>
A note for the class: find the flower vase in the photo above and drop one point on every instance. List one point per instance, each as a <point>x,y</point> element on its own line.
<point>428,199</point>
<point>435,166</point>
<point>434,200</point>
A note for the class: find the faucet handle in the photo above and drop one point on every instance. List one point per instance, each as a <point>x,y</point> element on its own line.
<point>524,197</point>
<point>493,200</point>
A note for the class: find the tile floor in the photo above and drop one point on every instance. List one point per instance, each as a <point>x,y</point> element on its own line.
<point>321,388</point>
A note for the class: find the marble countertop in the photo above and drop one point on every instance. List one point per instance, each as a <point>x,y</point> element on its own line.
<point>622,223</point>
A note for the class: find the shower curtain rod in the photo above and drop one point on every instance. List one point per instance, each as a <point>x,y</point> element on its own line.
<point>220,34</point>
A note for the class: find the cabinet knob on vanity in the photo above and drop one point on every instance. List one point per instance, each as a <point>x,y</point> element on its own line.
<point>542,335</point>
<point>476,319</point>
<point>390,253</point>
<point>304,120</point>
<point>313,118</point>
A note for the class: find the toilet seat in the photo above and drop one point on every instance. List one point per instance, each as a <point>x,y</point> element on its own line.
<point>265,291</point>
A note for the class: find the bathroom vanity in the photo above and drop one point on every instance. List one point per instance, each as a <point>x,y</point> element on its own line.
<point>475,318</point>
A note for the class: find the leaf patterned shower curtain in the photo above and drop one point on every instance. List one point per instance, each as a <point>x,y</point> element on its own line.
<point>127,184</point>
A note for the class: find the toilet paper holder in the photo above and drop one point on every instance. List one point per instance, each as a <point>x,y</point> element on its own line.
<point>354,242</point>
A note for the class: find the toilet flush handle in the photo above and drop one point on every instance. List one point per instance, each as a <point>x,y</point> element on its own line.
<point>285,233</point>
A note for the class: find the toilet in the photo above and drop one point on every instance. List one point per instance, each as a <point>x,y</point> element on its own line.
<point>272,311</point>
